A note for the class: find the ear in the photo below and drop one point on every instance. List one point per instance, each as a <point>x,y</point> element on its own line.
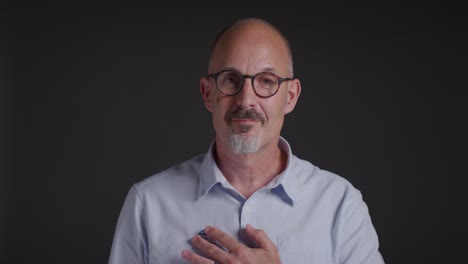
<point>205,90</point>
<point>294,91</point>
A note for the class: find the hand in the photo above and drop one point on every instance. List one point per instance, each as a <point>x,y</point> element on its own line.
<point>266,251</point>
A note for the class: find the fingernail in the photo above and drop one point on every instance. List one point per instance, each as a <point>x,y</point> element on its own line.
<point>207,229</point>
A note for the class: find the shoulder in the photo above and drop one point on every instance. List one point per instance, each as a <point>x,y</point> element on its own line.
<point>320,181</point>
<point>185,172</point>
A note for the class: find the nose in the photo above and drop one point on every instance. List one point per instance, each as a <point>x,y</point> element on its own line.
<point>246,97</point>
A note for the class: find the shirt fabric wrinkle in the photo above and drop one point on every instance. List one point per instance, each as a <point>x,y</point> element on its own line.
<point>298,210</point>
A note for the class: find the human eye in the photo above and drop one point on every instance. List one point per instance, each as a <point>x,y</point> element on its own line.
<point>230,78</point>
<point>267,80</point>
<point>229,82</point>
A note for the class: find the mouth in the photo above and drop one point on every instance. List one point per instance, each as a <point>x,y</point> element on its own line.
<point>244,121</point>
<point>249,116</point>
<point>242,128</point>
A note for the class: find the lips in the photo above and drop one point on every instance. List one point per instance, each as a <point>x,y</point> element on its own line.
<point>249,115</point>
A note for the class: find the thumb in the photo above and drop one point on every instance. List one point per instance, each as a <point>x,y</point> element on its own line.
<point>260,238</point>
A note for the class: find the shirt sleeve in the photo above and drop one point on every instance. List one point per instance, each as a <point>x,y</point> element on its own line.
<point>358,241</point>
<point>130,244</point>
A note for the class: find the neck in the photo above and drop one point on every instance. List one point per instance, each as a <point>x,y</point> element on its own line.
<point>249,172</point>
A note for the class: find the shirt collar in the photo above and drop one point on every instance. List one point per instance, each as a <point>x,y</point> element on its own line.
<point>208,177</point>
<point>285,185</point>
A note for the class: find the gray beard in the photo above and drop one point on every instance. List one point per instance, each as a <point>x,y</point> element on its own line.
<point>242,143</point>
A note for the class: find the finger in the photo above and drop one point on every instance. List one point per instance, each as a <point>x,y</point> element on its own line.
<point>226,240</point>
<point>209,248</point>
<point>195,259</point>
<point>260,237</point>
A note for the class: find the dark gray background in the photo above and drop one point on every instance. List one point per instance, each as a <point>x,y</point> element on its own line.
<point>96,99</point>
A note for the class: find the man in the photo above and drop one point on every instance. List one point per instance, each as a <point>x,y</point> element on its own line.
<point>251,198</point>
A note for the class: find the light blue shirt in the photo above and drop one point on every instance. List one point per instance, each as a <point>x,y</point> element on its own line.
<point>312,215</point>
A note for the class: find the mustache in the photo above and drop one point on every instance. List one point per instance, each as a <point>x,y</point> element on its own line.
<point>251,114</point>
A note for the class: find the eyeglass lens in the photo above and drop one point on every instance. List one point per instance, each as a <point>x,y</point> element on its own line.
<point>264,83</point>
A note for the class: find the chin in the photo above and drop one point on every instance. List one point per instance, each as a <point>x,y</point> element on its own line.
<point>244,143</point>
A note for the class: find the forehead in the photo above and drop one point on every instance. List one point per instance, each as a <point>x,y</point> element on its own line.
<point>250,46</point>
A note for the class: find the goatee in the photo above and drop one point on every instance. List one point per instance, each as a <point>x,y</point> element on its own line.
<point>242,143</point>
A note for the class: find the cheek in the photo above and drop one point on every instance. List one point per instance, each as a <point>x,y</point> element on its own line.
<point>277,109</point>
<point>215,100</point>
<point>222,104</point>
<point>219,109</point>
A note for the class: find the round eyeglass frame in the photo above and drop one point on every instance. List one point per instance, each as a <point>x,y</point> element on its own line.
<point>252,78</point>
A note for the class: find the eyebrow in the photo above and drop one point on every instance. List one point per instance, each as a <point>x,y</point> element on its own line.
<point>267,69</point>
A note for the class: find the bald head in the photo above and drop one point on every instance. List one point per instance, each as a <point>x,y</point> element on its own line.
<point>254,32</point>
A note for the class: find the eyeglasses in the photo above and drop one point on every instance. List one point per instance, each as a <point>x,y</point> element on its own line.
<point>265,84</point>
